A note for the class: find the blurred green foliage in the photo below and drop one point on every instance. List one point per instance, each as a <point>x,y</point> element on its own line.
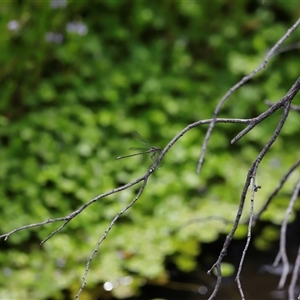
<point>78,78</point>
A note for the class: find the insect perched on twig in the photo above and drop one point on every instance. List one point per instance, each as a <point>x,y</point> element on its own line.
<point>149,149</point>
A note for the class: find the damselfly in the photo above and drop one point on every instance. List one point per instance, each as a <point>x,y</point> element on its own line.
<point>154,150</point>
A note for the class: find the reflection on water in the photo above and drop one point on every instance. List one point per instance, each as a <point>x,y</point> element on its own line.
<point>259,279</point>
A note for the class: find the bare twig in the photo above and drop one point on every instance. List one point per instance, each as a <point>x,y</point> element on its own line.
<point>277,189</point>
<point>7,235</point>
<point>250,176</point>
<point>235,87</point>
<point>295,276</point>
<point>282,252</point>
<point>293,107</point>
<point>253,191</point>
<point>72,215</point>
<point>288,97</point>
<point>103,237</point>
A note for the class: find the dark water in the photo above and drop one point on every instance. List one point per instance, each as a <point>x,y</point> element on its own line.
<point>259,279</point>
<point>257,282</point>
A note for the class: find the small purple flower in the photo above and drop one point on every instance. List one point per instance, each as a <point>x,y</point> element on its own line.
<point>77,27</point>
<point>13,25</point>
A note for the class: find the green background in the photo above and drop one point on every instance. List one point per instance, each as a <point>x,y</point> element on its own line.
<point>68,108</point>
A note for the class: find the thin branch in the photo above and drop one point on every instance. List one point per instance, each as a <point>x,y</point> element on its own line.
<point>238,275</point>
<point>277,189</point>
<point>72,215</point>
<point>251,175</point>
<point>289,96</point>
<point>103,237</point>
<point>218,283</point>
<point>293,107</point>
<point>283,255</point>
<point>229,237</point>
<point>7,235</point>
<point>235,87</point>
<point>193,125</point>
<point>295,275</point>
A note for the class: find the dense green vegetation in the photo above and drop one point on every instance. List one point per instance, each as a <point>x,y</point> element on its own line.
<point>77,79</point>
